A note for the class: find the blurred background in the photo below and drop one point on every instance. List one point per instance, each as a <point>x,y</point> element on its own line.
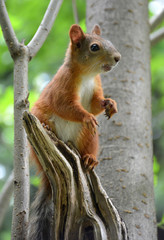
<point>25,17</point>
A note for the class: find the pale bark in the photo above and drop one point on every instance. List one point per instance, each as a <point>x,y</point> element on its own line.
<point>125,167</point>
<point>5,197</point>
<point>156,20</point>
<point>48,20</point>
<point>157,36</point>
<point>82,209</point>
<point>8,31</point>
<point>21,164</point>
<point>75,12</point>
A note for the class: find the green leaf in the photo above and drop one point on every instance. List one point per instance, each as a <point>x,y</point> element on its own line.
<point>161,223</point>
<point>156,166</point>
<point>35,181</point>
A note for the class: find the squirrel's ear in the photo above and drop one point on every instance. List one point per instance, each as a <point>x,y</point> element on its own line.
<point>96,30</point>
<point>76,33</point>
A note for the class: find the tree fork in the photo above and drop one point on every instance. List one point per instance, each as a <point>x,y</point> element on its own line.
<point>86,212</point>
<point>21,55</point>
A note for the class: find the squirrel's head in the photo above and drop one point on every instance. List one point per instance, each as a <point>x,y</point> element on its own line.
<point>91,52</point>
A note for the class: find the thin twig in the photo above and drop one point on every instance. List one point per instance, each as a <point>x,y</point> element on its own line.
<point>155,37</point>
<point>37,41</point>
<point>75,12</point>
<point>5,197</point>
<point>156,20</point>
<point>8,31</point>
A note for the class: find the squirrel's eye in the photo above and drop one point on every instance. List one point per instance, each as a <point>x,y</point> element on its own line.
<point>95,47</point>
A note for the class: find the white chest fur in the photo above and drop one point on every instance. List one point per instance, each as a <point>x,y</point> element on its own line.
<point>67,130</point>
<point>86,90</point>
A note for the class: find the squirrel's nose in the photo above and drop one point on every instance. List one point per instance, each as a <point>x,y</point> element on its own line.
<point>117,57</point>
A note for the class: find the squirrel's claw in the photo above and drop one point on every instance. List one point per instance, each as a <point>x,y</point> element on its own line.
<point>46,127</point>
<point>107,115</point>
<point>110,107</point>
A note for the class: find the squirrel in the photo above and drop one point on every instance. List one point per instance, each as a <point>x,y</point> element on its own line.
<point>69,104</point>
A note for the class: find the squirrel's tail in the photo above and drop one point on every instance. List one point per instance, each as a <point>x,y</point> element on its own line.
<point>41,218</point>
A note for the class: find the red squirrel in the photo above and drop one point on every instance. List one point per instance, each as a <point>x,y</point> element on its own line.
<point>70,102</point>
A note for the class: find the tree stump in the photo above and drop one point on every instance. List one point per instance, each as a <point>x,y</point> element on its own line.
<point>82,209</point>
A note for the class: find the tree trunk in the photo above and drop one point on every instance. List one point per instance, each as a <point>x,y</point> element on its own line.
<point>125,167</point>
<point>21,165</point>
<point>82,209</point>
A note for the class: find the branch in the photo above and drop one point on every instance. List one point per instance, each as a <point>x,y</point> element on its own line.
<point>156,20</point>
<point>21,163</point>
<point>8,32</point>
<point>40,36</point>
<point>75,12</point>
<point>82,208</point>
<point>155,37</point>
<point>6,196</point>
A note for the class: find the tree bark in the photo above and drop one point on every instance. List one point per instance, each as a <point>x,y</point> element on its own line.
<point>21,163</point>
<point>82,209</point>
<point>125,167</point>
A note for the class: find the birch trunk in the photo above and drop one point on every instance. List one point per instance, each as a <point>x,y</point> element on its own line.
<point>125,167</point>
<point>21,165</point>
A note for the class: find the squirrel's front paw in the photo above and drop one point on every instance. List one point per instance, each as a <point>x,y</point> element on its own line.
<point>90,161</point>
<point>90,122</point>
<point>110,107</point>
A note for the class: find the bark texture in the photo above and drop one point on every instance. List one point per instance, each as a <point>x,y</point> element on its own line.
<point>82,209</point>
<point>21,164</point>
<point>125,167</point>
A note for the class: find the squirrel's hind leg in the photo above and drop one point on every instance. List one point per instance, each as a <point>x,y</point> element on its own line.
<point>88,148</point>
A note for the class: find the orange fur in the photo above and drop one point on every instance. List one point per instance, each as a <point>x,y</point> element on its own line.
<point>74,96</point>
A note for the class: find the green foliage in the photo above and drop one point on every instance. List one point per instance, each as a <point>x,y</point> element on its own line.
<point>6,106</point>
<point>6,126</point>
<point>6,235</point>
<point>156,168</point>
<point>157,72</point>
<point>161,223</point>
<point>35,181</point>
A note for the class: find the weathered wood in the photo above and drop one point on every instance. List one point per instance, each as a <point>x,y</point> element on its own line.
<point>82,209</point>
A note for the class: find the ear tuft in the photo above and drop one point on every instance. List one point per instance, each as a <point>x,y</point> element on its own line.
<point>76,33</point>
<point>96,30</point>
